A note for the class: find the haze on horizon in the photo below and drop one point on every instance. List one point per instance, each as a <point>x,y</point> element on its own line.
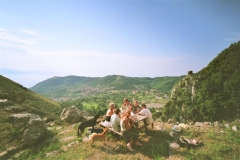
<point>42,39</point>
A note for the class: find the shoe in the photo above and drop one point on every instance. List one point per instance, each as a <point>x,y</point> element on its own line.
<point>138,144</point>
<point>129,147</point>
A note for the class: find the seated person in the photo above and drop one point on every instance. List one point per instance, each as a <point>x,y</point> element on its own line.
<point>130,135</point>
<point>135,107</point>
<point>126,105</point>
<point>146,112</point>
<point>115,120</point>
<point>110,111</point>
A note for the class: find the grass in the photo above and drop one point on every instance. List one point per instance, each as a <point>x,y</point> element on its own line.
<point>219,144</point>
<point>90,105</point>
<point>160,150</point>
<point>40,153</point>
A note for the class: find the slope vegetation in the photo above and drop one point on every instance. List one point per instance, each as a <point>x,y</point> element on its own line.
<point>212,93</point>
<point>71,87</point>
<point>15,98</point>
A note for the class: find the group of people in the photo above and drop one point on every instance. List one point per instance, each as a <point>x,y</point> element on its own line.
<point>120,120</point>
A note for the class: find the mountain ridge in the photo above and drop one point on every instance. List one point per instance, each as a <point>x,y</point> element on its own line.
<point>68,86</point>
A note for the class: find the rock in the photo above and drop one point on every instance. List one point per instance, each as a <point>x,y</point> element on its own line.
<point>207,123</point>
<point>50,119</point>
<point>160,128</point>
<point>199,124</point>
<point>171,120</point>
<point>3,100</point>
<point>216,124</point>
<point>183,126</point>
<point>234,128</point>
<point>227,125</point>
<point>30,125</point>
<point>71,115</point>
<point>72,144</point>
<point>35,129</point>
<point>22,119</point>
<point>52,153</point>
<point>174,134</point>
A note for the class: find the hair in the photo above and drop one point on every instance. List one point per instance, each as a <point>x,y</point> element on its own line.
<point>125,113</point>
<point>117,110</point>
<point>135,101</point>
<point>111,104</point>
<point>125,99</point>
<point>143,105</point>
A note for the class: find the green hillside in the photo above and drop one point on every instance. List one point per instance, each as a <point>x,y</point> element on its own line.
<point>72,87</point>
<point>15,98</point>
<point>211,94</point>
<point>25,99</point>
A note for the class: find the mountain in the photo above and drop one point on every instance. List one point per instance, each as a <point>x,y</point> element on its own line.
<point>15,95</point>
<point>71,87</point>
<point>15,98</point>
<point>211,94</point>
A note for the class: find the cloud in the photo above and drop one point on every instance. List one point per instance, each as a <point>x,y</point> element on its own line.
<point>3,30</point>
<point>9,45</point>
<point>4,36</point>
<point>28,32</point>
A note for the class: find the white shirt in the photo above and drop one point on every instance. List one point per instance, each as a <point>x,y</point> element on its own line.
<point>147,112</point>
<point>115,122</point>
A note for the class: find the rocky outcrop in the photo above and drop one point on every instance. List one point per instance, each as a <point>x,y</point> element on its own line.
<point>30,126</point>
<point>72,115</point>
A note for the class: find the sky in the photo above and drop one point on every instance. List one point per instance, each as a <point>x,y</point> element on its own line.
<point>40,39</point>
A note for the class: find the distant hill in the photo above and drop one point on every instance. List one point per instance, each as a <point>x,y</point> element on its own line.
<point>211,94</point>
<point>74,86</point>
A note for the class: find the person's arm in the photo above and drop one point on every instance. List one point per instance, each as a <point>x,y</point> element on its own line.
<point>108,112</point>
<point>138,110</point>
<point>127,124</point>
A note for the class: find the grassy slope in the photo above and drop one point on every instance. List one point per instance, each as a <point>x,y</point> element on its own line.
<point>23,100</point>
<point>218,143</point>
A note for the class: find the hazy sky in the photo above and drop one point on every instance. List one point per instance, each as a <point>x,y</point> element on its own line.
<point>40,39</point>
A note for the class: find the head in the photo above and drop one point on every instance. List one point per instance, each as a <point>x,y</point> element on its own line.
<point>111,106</point>
<point>135,103</point>
<point>125,101</point>
<point>143,106</point>
<point>117,111</point>
<point>127,113</point>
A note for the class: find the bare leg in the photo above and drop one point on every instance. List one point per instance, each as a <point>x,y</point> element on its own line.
<point>129,145</point>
